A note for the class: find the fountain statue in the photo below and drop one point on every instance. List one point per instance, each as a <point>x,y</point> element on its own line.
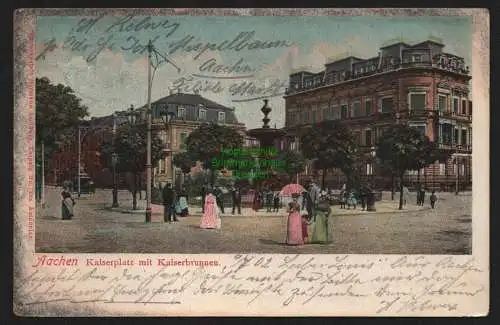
<point>267,137</point>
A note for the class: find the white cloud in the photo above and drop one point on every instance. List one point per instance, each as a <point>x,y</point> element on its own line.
<point>112,83</point>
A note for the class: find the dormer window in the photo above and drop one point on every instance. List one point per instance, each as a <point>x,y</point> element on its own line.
<point>417,58</point>
<point>442,61</point>
<point>181,112</point>
<point>453,64</point>
<point>373,67</point>
<point>202,112</point>
<point>222,117</point>
<point>362,70</point>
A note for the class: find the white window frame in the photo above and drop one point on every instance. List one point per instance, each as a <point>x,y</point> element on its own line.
<point>419,125</point>
<point>416,93</point>
<point>369,169</point>
<point>442,169</point>
<point>364,136</point>
<point>381,99</point>
<point>162,166</point>
<point>364,106</point>
<point>181,112</point>
<point>351,111</point>
<point>332,115</point>
<point>340,110</point>
<point>180,138</point>
<point>452,108</point>
<point>462,99</point>
<point>446,108</point>
<point>202,112</point>
<point>221,117</point>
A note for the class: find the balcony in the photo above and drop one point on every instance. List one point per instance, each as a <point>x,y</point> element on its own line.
<point>455,115</point>
<point>467,148</point>
<point>437,62</point>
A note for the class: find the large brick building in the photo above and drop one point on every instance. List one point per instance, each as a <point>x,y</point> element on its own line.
<point>419,84</point>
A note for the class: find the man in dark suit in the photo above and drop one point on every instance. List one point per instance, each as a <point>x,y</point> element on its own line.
<point>203,195</point>
<point>236,195</point>
<point>219,198</point>
<point>169,204</point>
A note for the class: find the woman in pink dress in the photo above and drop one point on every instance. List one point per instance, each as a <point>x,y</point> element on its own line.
<point>294,225</point>
<point>210,218</point>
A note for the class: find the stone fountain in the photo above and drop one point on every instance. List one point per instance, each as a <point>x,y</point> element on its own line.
<point>267,137</point>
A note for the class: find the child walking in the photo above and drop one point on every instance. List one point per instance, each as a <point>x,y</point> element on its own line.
<point>305,234</point>
<point>433,199</point>
<point>276,202</point>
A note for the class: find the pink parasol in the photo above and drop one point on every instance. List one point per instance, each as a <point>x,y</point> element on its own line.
<point>290,189</point>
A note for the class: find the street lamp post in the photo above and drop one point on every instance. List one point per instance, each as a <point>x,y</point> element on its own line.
<point>167,117</point>
<point>148,157</point>
<point>79,158</point>
<point>114,162</point>
<point>42,175</point>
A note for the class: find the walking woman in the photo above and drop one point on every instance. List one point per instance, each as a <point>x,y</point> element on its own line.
<point>211,217</point>
<point>320,228</point>
<point>257,201</point>
<point>181,207</point>
<point>67,205</point>
<point>294,224</point>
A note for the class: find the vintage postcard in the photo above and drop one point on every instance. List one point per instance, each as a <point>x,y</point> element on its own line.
<point>274,162</point>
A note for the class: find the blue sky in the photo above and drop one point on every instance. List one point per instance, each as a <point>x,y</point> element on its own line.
<point>116,78</point>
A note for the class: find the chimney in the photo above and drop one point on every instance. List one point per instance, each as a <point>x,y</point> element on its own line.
<point>196,91</point>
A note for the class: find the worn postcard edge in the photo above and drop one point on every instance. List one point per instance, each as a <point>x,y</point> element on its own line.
<point>24,92</point>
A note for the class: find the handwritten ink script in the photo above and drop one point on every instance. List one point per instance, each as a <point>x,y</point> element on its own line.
<point>92,35</point>
<point>397,285</point>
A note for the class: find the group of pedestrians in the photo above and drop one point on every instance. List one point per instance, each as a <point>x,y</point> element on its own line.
<point>268,199</point>
<point>421,197</point>
<point>302,214</point>
<point>348,198</point>
<point>175,204</point>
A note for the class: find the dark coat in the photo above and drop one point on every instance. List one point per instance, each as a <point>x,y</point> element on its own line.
<point>168,196</point>
<point>236,194</point>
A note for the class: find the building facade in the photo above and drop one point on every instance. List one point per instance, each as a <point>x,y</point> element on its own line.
<point>189,111</point>
<point>419,84</point>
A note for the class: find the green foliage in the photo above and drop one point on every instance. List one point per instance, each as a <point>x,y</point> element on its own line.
<point>131,146</point>
<point>331,145</point>
<point>209,139</point>
<point>405,148</point>
<point>58,113</point>
<point>294,162</point>
<point>184,161</point>
<point>207,142</point>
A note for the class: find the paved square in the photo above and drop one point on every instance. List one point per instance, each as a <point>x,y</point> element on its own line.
<point>98,229</point>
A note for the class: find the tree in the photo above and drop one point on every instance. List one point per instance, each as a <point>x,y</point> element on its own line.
<point>58,113</point>
<point>294,163</point>
<point>404,148</point>
<point>207,142</point>
<point>184,161</point>
<point>131,147</point>
<point>331,145</point>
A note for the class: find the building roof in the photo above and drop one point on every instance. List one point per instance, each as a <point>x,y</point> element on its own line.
<point>394,44</point>
<point>190,99</point>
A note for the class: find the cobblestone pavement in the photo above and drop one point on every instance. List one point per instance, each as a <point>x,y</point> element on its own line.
<point>97,229</point>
